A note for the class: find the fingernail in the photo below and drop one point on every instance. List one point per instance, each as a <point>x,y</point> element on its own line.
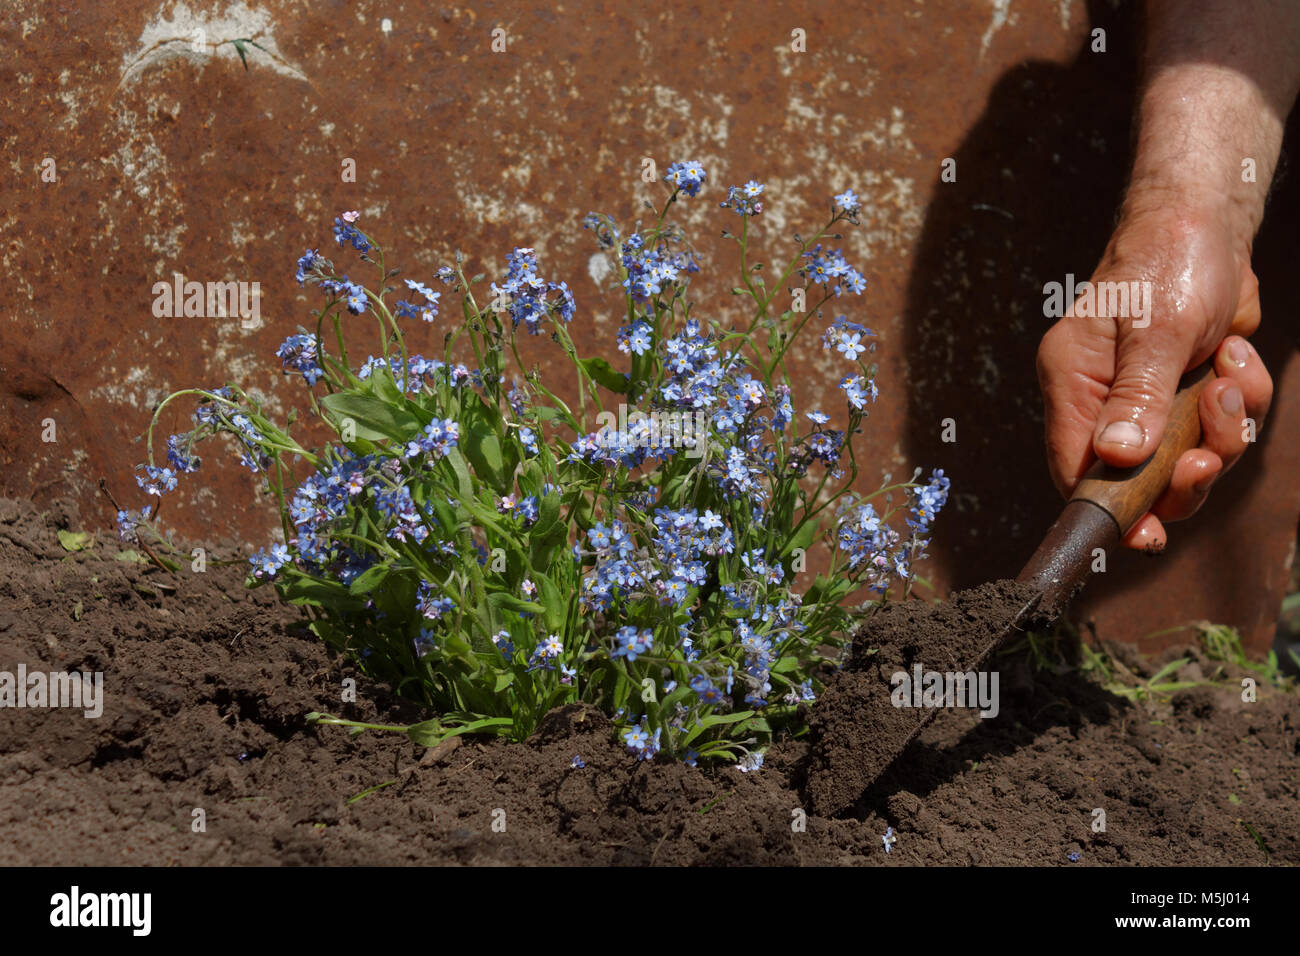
<point>1122,434</point>
<point>1239,352</point>
<point>1230,400</point>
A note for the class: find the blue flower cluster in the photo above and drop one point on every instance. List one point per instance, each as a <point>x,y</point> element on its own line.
<point>267,562</point>
<point>438,437</point>
<point>346,232</point>
<point>310,264</point>
<point>830,269</point>
<point>430,605</point>
<point>530,299</point>
<point>692,370</point>
<point>688,177</point>
<point>298,353</point>
<point>421,372</point>
<point>352,293</point>
<point>651,268</point>
<point>642,742</point>
<point>926,502</point>
<point>873,545</point>
<point>847,338</point>
<point>426,311</point>
<point>180,453</point>
<point>156,481</point>
<point>437,545</point>
<point>745,199</point>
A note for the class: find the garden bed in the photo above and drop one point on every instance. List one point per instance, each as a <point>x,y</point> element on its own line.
<point>207,685</point>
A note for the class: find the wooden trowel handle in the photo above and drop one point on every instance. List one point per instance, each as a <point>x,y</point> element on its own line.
<point>1126,494</point>
<point>1108,501</point>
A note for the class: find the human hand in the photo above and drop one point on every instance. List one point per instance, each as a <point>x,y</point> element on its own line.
<point>1108,382</point>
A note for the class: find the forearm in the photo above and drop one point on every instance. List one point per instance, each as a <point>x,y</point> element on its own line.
<point>1220,77</point>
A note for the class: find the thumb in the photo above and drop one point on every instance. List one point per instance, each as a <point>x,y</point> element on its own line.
<point>1133,420</point>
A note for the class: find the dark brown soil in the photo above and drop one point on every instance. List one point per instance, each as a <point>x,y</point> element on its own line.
<point>856,728</point>
<point>207,686</point>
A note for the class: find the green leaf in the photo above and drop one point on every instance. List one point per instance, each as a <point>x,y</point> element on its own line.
<point>365,793</point>
<point>548,528</point>
<point>464,483</point>
<point>554,602</point>
<point>801,539</point>
<point>428,733</point>
<point>785,665</point>
<point>482,446</point>
<point>373,418</point>
<point>713,720</point>
<point>76,540</point>
<point>131,557</point>
<point>303,590</point>
<point>1167,670</point>
<point>508,601</point>
<point>383,386</point>
<point>369,579</point>
<point>604,374</point>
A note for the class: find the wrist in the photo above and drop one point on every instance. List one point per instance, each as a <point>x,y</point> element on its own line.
<point>1208,144</point>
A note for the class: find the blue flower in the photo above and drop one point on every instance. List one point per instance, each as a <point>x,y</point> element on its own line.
<point>577,763</point>
<point>527,510</point>
<point>430,606</point>
<point>545,653</point>
<point>851,345</point>
<point>501,640</point>
<point>636,739</point>
<point>704,689</point>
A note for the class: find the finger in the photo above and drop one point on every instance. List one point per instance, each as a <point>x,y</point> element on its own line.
<point>1194,473</point>
<point>1075,365</point>
<point>1247,317</point>
<point>1148,534</point>
<point>1222,407</point>
<point>1236,359</point>
<point>1244,391</point>
<point>1132,422</point>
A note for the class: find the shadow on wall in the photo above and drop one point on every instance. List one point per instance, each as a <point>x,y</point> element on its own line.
<point>1039,181</point>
